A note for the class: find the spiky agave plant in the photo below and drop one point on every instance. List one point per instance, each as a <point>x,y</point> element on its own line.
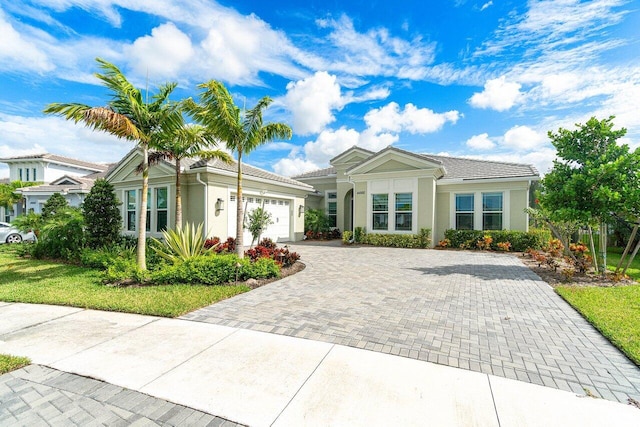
<point>180,244</point>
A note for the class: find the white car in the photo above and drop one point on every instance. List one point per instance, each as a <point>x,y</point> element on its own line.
<point>10,234</point>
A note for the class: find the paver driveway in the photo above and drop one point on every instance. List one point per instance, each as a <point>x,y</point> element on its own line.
<point>480,311</point>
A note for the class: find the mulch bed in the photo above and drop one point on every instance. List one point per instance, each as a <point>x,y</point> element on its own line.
<point>556,278</point>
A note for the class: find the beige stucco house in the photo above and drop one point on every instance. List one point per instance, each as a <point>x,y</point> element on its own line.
<point>209,196</point>
<point>396,191</point>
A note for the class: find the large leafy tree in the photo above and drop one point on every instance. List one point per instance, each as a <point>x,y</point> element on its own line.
<point>180,142</point>
<point>593,176</point>
<point>128,115</point>
<point>242,131</point>
<point>55,204</point>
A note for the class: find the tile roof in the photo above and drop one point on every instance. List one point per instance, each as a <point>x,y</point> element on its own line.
<point>468,169</point>
<point>4,181</point>
<point>317,173</point>
<point>458,168</point>
<point>59,159</point>
<point>247,170</point>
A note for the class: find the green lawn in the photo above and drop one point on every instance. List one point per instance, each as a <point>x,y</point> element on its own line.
<point>615,312</point>
<point>11,363</point>
<point>613,256</point>
<point>45,282</point>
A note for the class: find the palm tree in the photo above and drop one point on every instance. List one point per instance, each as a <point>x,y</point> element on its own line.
<point>242,131</point>
<point>184,141</point>
<point>130,116</point>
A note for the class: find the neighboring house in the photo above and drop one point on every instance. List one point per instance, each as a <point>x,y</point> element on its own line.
<point>209,197</point>
<point>71,177</point>
<point>396,191</point>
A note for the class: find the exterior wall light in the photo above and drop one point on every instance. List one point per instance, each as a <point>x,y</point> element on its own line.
<point>219,205</point>
<point>300,210</point>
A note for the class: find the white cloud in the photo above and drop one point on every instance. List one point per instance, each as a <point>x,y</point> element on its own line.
<point>312,101</point>
<point>391,118</point>
<point>523,138</point>
<point>486,5</point>
<point>480,142</point>
<point>58,136</point>
<point>293,166</point>
<point>162,53</point>
<point>498,94</point>
<point>18,52</point>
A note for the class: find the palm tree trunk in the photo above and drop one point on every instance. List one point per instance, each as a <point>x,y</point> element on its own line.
<point>142,218</point>
<point>178,196</point>
<point>239,210</point>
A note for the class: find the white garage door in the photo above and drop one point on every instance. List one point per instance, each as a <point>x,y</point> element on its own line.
<point>280,215</point>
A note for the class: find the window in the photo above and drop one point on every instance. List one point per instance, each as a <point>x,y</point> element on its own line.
<point>464,211</point>
<point>34,174</point>
<point>20,174</point>
<point>27,171</point>
<point>332,209</point>
<point>332,195</point>
<point>250,199</point>
<point>131,210</point>
<point>492,211</point>
<point>148,224</point>
<point>161,209</point>
<point>380,208</point>
<point>404,211</point>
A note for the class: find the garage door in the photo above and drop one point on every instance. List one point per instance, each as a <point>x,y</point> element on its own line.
<point>280,215</point>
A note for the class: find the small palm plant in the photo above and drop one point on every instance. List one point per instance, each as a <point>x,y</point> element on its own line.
<point>181,244</point>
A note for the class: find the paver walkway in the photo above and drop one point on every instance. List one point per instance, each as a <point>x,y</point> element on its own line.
<point>40,396</point>
<point>479,311</point>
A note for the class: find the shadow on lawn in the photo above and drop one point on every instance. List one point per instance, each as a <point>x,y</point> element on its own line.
<point>24,270</point>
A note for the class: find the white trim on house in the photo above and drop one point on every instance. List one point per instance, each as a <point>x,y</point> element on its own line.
<point>453,181</point>
<point>391,187</point>
<point>245,177</point>
<point>477,208</point>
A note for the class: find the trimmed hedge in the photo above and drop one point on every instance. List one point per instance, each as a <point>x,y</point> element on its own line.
<point>520,240</point>
<point>421,240</point>
<point>216,270</point>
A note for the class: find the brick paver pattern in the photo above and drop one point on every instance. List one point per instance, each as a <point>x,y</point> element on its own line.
<point>40,396</point>
<point>480,311</point>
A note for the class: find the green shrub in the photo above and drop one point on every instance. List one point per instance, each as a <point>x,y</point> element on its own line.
<point>358,234</point>
<point>62,236</point>
<point>520,240</point>
<point>102,217</point>
<point>316,220</point>
<point>215,270</point>
<point>346,236</point>
<point>262,268</point>
<point>124,268</point>
<point>55,204</point>
<point>398,240</point>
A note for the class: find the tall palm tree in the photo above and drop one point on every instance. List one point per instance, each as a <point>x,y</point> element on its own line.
<point>242,131</point>
<point>130,116</point>
<point>184,141</point>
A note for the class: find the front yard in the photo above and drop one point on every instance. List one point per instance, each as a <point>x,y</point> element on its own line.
<point>45,282</point>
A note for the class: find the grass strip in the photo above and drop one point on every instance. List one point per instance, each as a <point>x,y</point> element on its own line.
<point>45,282</point>
<point>11,363</point>
<point>614,311</point>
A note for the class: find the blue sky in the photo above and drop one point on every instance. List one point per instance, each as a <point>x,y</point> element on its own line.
<point>484,79</point>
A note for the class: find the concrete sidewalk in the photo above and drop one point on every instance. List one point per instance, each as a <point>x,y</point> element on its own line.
<point>262,379</point>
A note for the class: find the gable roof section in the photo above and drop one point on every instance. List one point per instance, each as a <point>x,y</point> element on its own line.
<point>353,150</point>
<point>249,171</point>
<point>413,160</point>
<point>54,158</point>
<point>463,169</point>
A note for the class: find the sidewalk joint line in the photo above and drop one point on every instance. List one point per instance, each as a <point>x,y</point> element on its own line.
<point>493,399</point>
<point>188,359</point>
<point>44,321</point>
<point>303,384</point>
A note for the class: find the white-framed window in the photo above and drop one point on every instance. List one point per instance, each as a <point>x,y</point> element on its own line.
<point>464,211</point>
<point>492,209</point>
<point>34,174</point>
<point>130,196</point>
<point>404,212</point>
<point>162,214</point>
<point>332,208</point>
<point>380,211</point>
<point>27,171</point>
<point>20,174</point>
